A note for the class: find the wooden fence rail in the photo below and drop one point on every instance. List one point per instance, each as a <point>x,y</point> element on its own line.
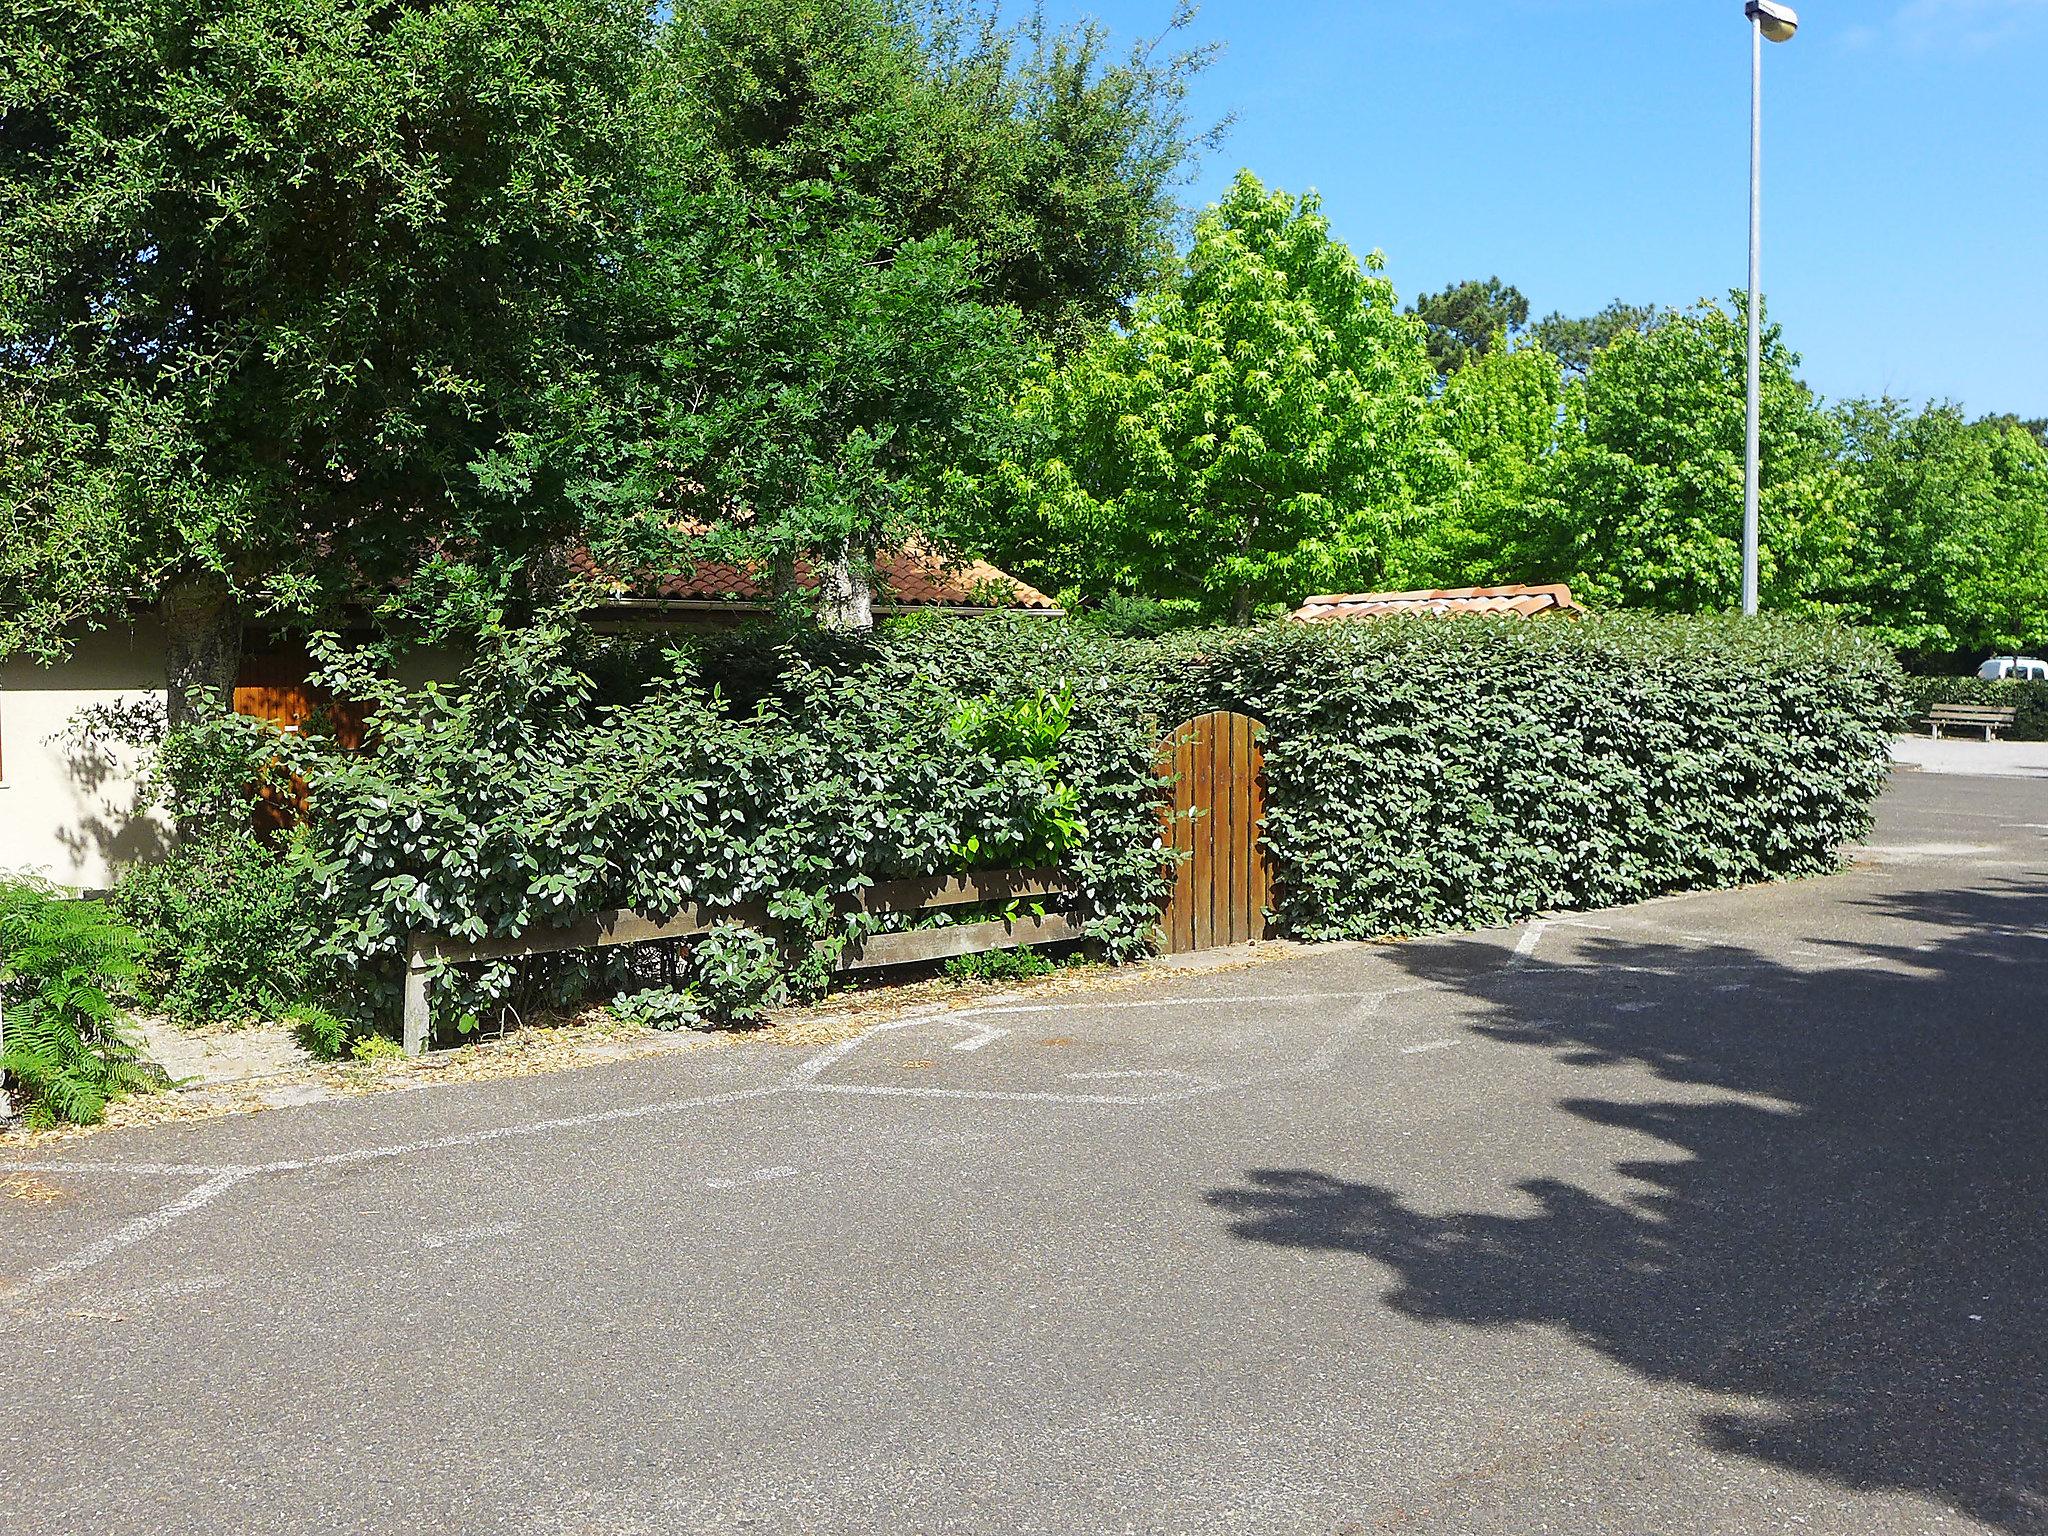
<point>607,930</point>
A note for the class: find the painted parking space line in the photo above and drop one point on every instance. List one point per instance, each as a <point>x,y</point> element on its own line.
<point>758,1176</point>
<point>1430,1045</point>
<point>146,1225</point>
<point>1085,1006</point>
<point>984,1034</point>
<point>461,1236</point>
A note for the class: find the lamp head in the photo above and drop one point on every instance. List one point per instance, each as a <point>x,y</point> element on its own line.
<point>1776,22</point>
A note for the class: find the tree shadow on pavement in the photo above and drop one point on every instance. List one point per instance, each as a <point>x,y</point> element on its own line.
<point>1852,1223</point>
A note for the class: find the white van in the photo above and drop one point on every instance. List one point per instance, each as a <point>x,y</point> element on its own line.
<point>2023,668</point>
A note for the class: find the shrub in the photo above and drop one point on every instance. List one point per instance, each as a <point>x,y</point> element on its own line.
<point>225,918</point>
<point>520,798</point>
<point>1000,965</point>
<point>64,967</point>
<point>326,1036</point>
<point>1421,774</point>
<point>1427,774</point>
<point>2028,700</point>
<point>659,1008</point>
<point>227,926</point>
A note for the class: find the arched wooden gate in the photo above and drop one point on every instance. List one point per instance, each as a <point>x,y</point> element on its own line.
<point>1222,889</point>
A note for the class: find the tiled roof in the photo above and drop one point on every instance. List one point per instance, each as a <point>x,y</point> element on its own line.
<point>904,578</point>
<point>1522,602</point>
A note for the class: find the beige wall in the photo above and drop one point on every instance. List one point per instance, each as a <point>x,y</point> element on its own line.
<point>68,808</point>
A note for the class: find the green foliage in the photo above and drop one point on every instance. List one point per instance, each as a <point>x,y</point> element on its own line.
<point>1576,341</point>
<point>998,965</point>
<point>1261,429</point>
<point>1140,618</point>
<point>660,1008</point>
<point>230,928</point>
<point>326,1036</point>
<point>1420,775</point>
<point>1499,416</point>
<point>737,973</point>
<point>1426,774</point>
<point>1468,320</point>
<point>868,212</point>
<point>2027,699</point>
<point>520,799</point>
<point>1641,504</point>
<point>294,293</point>
<point>65,967</point>
<point>1949,547</point>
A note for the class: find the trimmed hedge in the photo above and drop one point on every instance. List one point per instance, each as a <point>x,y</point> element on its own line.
<point>2028,699</point>
<point>561,778</point>
<point>1422,774</point>
<point>1427,774</point>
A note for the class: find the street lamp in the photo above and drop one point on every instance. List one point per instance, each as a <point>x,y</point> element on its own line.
<point>1768,19</point>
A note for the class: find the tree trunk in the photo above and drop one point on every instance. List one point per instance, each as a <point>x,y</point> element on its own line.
<point>846,591</point>
<point>1241,606</point>
<point>202,648</point>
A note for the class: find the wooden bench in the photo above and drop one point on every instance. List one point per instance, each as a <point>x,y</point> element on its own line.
<point>1991,717</point>
<point>605,930</point>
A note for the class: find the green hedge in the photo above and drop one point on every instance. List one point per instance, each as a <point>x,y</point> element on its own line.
<point>559,779</point>
<point>1422,774</point>
<point>1425,774</point>
<point>2028,700</point>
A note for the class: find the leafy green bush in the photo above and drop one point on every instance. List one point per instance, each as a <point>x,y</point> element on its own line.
<point>660,1008</point>
<point>1421,775</point>
<point>1000,965</point>
<point>521,798</point>
<point>228,929</point>
<point>226,919</point>
<point>325,1035</point>
<point>2028,700</point>
<point>64,967</point>
<point>1428,774</point>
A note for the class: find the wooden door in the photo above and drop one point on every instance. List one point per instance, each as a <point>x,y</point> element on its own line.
<point>1222,888</point>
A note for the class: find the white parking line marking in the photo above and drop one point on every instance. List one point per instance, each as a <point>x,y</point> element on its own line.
<point>987,1032</point>
<point>758,1176</point>
<point>1525,946</point>
<point>469,1235</point>
<point>134,1232</point>
<point>1189,1002</point>
<point>1431,1045</point>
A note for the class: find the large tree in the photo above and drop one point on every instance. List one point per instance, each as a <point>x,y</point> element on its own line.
<point>1468,319</point>
<point>295,293</point>
<point>875,209</point>
<point>1260,430</point>
<point>1951,543</point>
<point>1640,504</point>
<point>1575,340</point>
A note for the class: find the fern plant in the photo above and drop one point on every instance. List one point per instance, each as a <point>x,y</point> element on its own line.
<point>64,967</point>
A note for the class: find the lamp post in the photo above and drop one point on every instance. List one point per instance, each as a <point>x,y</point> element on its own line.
<point>1767,19</point>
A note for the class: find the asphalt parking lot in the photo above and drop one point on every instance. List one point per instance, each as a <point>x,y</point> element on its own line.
<point>1725,1213</point>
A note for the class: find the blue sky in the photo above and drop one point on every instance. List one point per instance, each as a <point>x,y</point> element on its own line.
<point>1592,149</point>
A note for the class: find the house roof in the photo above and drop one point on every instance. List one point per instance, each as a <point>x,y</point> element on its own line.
<point>1440,602</point>
<point>909,577</point>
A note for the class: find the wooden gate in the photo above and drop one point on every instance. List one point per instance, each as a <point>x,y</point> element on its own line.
<point>1222,889</point>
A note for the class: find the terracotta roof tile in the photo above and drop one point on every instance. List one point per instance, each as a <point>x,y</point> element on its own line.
<point>1518,601</point>
<point>909,577</point>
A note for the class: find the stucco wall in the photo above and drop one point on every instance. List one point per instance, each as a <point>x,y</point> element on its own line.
<point>67,807</point>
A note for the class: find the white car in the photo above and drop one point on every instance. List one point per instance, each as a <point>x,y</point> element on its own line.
<point>2024,668</point>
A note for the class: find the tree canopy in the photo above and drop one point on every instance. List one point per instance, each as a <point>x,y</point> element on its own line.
<point>1468,318</point>
<point>1260,428</point>
<point>297,288</point>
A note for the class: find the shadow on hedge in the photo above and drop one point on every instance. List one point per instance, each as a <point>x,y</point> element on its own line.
<point>1867,1252</point>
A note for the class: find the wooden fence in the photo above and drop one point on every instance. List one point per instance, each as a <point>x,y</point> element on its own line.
<point>606,930</point>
